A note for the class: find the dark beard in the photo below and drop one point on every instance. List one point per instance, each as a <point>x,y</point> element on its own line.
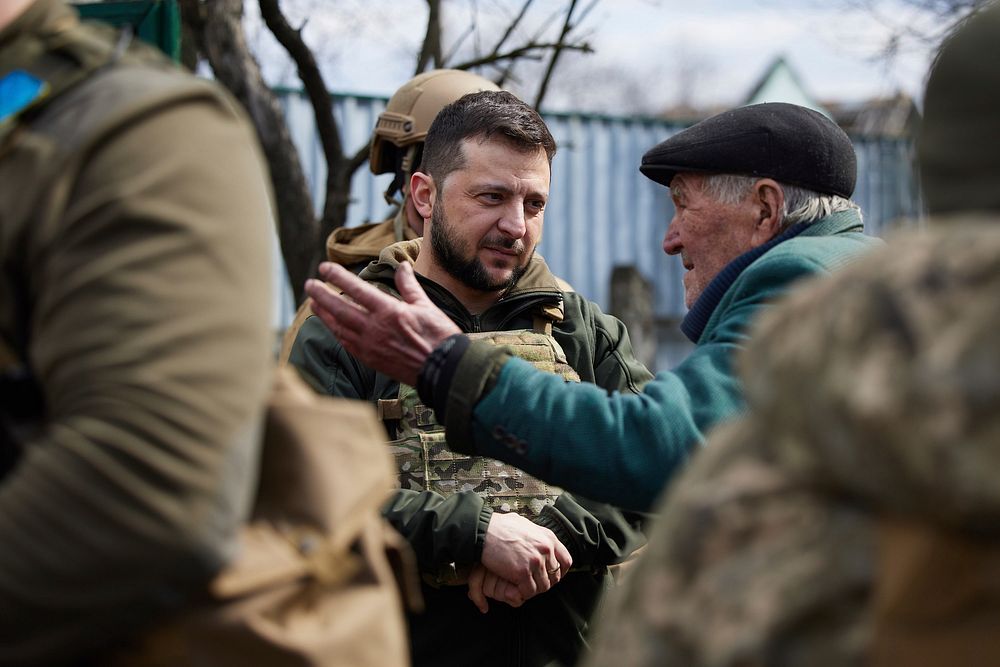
<point>469,272</point>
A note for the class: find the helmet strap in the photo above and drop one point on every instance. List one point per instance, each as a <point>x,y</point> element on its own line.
<point>394,188</point>
<point>404,167</point>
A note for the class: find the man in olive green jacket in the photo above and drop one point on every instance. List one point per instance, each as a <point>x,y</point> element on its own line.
<point>758,206</point>
<point>135,325</point>
<point>471,520</point>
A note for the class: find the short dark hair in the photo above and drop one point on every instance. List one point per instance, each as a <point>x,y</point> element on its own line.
<point>484,115</point>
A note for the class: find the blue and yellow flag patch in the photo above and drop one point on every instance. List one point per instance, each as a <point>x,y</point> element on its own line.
<point>18,91</point>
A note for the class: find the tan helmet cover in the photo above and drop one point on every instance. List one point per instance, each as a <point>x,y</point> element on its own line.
<point>411,110</point>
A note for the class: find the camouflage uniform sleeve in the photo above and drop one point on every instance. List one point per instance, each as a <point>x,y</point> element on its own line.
<point>150,337</point>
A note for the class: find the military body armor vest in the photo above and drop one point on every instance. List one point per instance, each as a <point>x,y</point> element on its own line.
<point>424,462</point>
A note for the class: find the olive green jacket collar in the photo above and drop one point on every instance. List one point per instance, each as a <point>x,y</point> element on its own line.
<point>538,285</point>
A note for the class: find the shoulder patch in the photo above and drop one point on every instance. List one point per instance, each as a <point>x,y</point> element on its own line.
<point>18,91</point>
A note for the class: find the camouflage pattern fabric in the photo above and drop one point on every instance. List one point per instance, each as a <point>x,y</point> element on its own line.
<point>424,462</point>
<point>872,397</point>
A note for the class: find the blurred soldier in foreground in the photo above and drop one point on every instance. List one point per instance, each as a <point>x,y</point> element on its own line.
<point>853,517</point>
<point>762,198</point>
<point>481,528</point>
<point>134,329</point>
<point>396,148</point>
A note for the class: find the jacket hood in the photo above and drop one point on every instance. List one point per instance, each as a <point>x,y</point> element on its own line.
<point>353,245</point>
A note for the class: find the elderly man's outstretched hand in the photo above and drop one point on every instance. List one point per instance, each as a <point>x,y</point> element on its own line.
<point>393,336</point>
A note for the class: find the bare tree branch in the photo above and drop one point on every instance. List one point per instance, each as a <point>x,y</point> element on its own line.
<point>556,51</point>
<point>358,159</point>
<point>335,204</point>
<point>512,26</point>
<point>903,31</point>
<point>506,73</point>
<point>221,37</point>
<point>533,46</point>
<point>469,32</point>
<point>430,52</point>
<point>530,51</point>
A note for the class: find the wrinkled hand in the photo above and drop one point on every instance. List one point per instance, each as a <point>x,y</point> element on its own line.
<point>392,336</point>
<point>523,553</point>
<point>486,584</point>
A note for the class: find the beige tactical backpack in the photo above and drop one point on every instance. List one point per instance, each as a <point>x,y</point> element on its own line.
<point>316,583</point>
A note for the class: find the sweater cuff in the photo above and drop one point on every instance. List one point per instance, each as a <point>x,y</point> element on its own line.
<point>437,373</point>
<point>475,376</point>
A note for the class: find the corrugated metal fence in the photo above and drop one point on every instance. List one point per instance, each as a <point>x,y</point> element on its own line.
<point>602,212</point>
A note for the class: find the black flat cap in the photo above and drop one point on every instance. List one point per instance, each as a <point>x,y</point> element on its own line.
<point>786,142</point>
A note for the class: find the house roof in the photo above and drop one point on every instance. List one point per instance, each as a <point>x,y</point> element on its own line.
<point>890,117</point>
<point>781,83</point>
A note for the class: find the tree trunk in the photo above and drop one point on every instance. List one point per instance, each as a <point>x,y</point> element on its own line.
<point>225,47</point>
<point>632,303</point>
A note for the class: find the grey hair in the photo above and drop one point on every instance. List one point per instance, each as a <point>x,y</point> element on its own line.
<point>801,205</point>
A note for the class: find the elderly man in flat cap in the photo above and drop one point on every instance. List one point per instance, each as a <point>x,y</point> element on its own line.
<point>762,200</point>
<point>852,515</point>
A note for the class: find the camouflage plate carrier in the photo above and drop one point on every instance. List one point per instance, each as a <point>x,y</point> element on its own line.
<point>424,462</point>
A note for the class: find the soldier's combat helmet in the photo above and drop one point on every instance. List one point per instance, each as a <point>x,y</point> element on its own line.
<point>401,128</point>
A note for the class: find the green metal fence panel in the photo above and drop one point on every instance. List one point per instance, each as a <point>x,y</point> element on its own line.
<point>155,21</point>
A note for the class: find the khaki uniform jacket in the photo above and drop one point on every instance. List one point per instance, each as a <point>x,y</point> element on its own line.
<point>134,232</point>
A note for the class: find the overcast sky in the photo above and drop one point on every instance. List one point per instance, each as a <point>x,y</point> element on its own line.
<point>650,54</point>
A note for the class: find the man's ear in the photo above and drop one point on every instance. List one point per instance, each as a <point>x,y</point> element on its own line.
<point>770,200</point>
<point>423,193</point>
